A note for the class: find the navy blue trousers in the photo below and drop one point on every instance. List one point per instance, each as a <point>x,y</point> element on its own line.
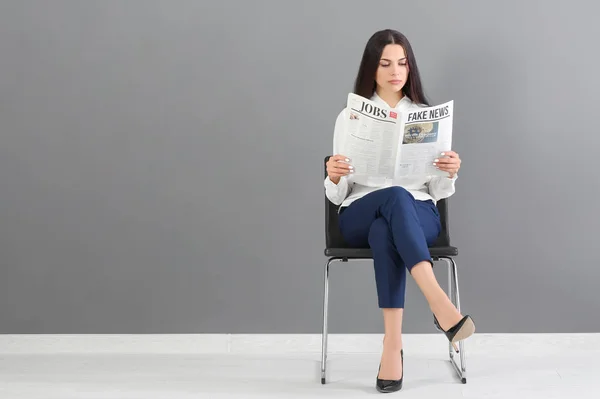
<point>398,229</point>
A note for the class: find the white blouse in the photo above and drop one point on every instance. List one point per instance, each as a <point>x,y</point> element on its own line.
<point>422,188</point>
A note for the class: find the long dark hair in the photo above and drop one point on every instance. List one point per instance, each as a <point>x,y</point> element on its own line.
<point>365,83</point>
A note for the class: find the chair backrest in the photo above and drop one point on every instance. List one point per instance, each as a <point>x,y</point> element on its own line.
<point>334,238</point>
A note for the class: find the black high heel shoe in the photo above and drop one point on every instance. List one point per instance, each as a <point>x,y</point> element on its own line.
<point>386,386</point>
<point>461,330</point>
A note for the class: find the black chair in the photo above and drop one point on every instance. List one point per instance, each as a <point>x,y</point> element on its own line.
<point>337,250</point>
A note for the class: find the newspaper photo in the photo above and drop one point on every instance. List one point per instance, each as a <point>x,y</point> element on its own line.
<point>386,145</point>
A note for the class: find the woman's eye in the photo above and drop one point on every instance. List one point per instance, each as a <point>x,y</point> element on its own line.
<point>385,65</point>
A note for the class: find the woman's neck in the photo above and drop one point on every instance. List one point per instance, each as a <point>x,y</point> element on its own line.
<point>392,99</point>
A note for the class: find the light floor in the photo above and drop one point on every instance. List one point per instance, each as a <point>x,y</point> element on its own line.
<point>148,376</point>
<point>241,366</point>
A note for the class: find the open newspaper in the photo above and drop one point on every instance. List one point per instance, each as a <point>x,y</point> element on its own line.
<point>385,145</point>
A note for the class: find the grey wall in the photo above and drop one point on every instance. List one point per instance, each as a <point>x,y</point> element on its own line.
<point>161,162</point>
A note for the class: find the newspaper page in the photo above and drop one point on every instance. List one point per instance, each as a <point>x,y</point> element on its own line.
<point>385,145</point>
<point>371,140</point>
<point>427,132</point>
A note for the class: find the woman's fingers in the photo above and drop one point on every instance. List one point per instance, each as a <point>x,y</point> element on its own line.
<point>448,162</point>
<point>338,165</point>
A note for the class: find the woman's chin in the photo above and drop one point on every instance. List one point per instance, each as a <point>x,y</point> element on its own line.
<point>391,88</point>
<point>397,87</point>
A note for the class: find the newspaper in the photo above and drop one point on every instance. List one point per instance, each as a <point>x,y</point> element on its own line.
<point>386,145</point>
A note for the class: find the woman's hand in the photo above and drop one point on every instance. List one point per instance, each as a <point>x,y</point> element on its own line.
<point>338,166</point>
<point>448,162</point>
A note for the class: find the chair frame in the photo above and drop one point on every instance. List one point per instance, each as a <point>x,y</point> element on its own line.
<point>453,287</point>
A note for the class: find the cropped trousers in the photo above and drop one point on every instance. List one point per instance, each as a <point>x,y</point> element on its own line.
<point>398,229</point>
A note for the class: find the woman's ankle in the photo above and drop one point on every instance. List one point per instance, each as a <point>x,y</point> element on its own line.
<point>392,344</point>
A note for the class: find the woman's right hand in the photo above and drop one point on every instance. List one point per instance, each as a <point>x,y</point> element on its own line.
<point>338,166</point>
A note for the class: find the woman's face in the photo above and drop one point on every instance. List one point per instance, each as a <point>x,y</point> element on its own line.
<point>392,72</point>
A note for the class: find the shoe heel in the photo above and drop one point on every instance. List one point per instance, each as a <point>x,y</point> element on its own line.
<point>460,331</point>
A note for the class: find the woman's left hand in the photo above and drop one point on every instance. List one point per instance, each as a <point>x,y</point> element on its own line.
<point>449,161</point>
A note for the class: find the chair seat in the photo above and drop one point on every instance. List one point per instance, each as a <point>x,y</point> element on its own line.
<point>365,253</point>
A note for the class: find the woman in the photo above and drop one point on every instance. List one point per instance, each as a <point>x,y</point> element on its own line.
<point>397,221</point>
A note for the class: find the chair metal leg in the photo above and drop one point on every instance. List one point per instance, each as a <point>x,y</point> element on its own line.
<point>454,295</point>
<point>451,296</point>
<point>325,309</point>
